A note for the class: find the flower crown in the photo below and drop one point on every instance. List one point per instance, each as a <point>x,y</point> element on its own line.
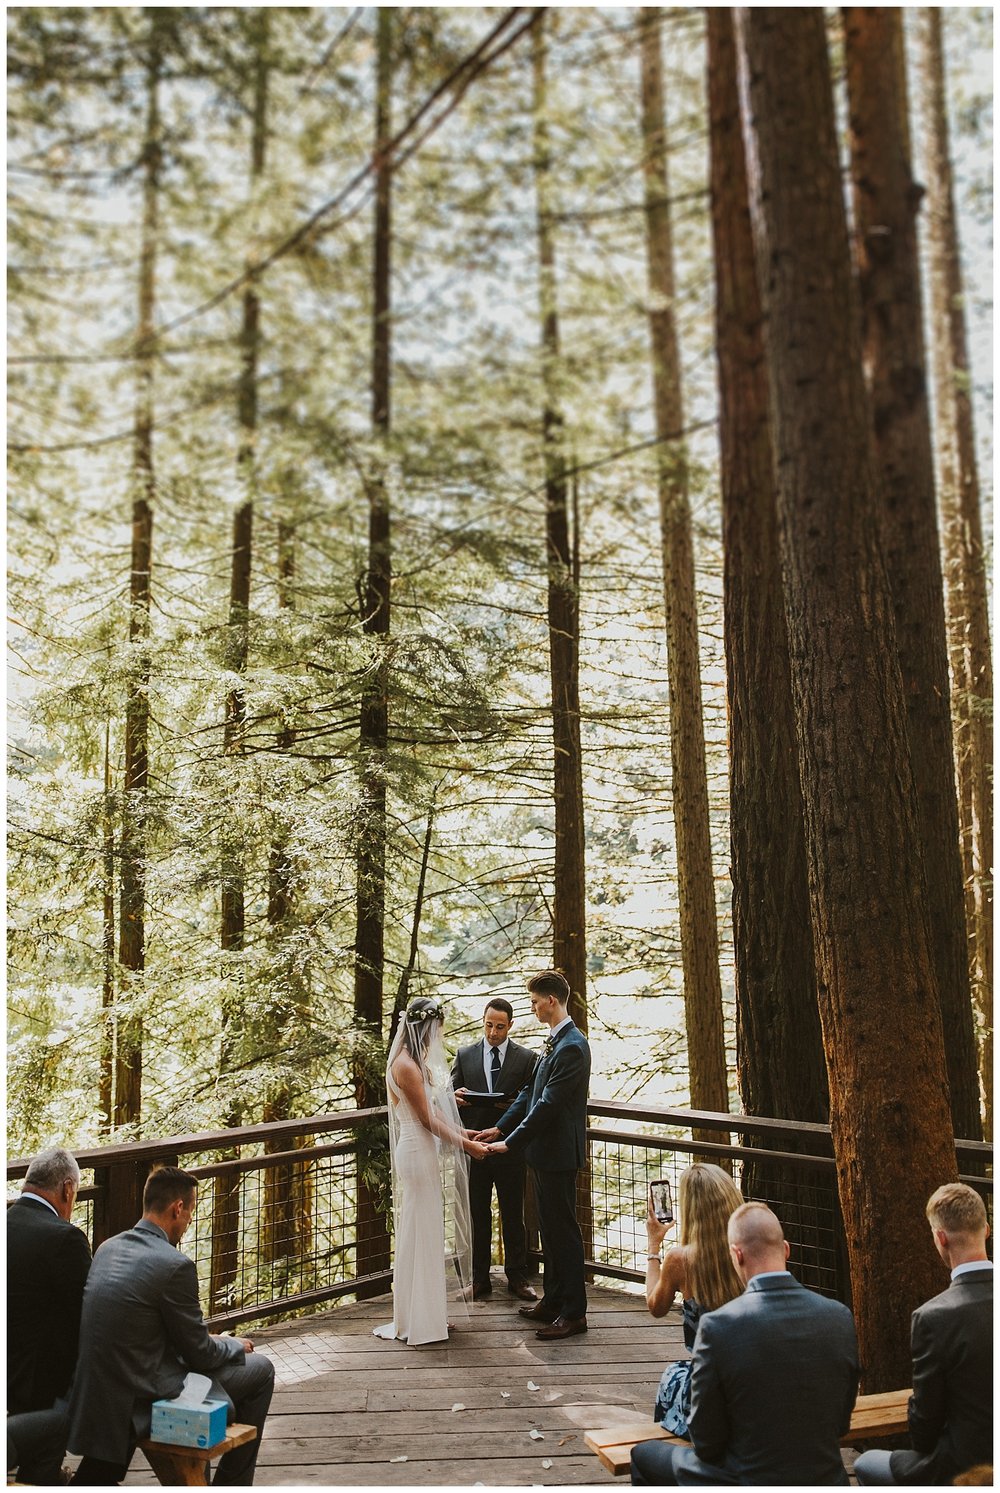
<point>432,1012</point>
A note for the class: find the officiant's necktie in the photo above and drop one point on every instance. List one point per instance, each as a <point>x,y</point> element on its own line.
<point>495,1071</point>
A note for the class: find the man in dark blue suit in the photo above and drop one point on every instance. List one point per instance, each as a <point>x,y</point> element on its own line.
<point>548,1121</point>
<point>774,1380</point>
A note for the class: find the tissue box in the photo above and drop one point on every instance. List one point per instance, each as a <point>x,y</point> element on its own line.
<point>189,1425</point>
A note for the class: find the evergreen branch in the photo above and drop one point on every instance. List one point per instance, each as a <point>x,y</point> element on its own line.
<point>473,64</point>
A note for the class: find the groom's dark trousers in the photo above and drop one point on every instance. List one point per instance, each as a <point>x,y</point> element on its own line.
<point>548,1121</point>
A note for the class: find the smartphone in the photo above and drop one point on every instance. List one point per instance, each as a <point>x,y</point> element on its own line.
<point>663,1203</point>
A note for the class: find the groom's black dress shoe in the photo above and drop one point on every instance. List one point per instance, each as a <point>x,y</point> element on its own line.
<point>562,1327</point>
<point>522,1289</point>
<point>481,1289</point>
<point>538,1313</point>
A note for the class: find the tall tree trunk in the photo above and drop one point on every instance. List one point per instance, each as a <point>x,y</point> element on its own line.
<point>369,942</point>
<point>132,897</point>
<point>106,1079</point>
<point>369,945</point>
<point>885,221</point>
<point>709,1085</point>
<point>287,1221</point>
<point>779,1043</point>
<point>964,557</point>
<point>877,989</point>
<point>569,936</point>
<point>225,1232</point>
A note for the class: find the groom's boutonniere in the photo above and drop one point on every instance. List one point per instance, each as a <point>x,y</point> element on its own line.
<point>550,1042</point>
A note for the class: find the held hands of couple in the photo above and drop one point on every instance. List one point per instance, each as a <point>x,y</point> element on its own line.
<point>473,1146</point>
<point>497,1145</point>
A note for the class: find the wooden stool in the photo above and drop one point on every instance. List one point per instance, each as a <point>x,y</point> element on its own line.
<point>187,1466</point>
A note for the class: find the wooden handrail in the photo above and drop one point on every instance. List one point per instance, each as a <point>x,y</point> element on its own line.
<point>210,1140</point>
<point>686,1119</point>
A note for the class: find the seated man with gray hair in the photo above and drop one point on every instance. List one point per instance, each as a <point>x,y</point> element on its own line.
<point>774,1380</point>
<point>951,1412</point>
<point>48,1260</point>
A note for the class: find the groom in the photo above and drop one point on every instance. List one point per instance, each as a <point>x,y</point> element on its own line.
<point>548,1121</point>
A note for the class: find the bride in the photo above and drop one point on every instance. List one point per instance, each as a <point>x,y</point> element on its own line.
<point>430,1181</point>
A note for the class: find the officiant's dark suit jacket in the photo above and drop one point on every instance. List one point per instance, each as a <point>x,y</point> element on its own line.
<point>951,1412</point>
<point>48,1260</point>
<point>548,1119</point>
<point>468,1072</point>
<point>142,1330</point>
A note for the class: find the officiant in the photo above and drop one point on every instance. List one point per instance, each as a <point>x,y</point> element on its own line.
<point>487,1076</point>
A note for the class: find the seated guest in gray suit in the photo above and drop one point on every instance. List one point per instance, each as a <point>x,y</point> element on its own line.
<point>495,1065</point>
<point>142,1331</point>
<point>48,1259</point>
<point>951,1412</point>
<point>774,1381</point>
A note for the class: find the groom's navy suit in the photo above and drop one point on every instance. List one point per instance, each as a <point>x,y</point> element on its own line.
<point>548,1121</point>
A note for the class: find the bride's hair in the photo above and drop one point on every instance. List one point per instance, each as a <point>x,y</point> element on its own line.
<point>421,1016</point>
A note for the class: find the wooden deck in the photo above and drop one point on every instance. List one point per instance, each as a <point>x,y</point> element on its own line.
<point>349,1407</point>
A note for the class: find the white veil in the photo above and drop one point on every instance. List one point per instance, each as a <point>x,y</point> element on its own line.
<point>420,1033</point>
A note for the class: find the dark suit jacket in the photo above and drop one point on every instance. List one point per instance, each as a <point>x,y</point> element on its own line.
<point>47,1264</point>
<point>468,1072</point>
<point>773,1385</point>
<point>951,1412</point>
<point>548,1119</point>
<point>142,1330</point>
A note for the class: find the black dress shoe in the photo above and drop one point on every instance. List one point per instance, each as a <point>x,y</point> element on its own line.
<point>562,1327</point>
<point>538,1313</point>
<point>522,1289</point>
<point>481,1289</point>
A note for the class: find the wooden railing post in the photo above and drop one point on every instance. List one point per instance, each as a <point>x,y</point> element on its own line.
<point>119,1183</point>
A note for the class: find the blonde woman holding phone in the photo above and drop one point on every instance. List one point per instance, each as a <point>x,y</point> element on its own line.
<point>699,1269</point>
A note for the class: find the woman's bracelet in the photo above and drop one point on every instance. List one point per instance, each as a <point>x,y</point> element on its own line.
<point>657,1258</point>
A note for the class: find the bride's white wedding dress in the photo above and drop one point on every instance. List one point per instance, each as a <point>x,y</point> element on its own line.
<point>419,1294</point>
<point>430,1191</point>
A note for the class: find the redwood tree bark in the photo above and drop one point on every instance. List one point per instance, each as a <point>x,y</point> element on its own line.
<point>232,928</point>
<point>127,1087</point>
<point>369,944</point>
<point>778,1041</point>
<point>106,1079</point>
<point>966,589</point>
<point>885,200</point>
<point>569,934</point>
<point>709,1087</point>
<point>876,982</point>
<point>287,1222</point>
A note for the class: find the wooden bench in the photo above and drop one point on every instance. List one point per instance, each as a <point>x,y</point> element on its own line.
<point>874,1416</point>
<point>187,1466</point>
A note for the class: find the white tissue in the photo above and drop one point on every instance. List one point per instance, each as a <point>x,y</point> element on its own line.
<point>195,1390</point>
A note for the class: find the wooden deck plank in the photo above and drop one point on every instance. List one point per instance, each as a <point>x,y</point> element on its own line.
<point>347,1403</point>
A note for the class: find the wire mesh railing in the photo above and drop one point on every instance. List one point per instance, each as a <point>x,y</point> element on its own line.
<point>296,1213</point>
